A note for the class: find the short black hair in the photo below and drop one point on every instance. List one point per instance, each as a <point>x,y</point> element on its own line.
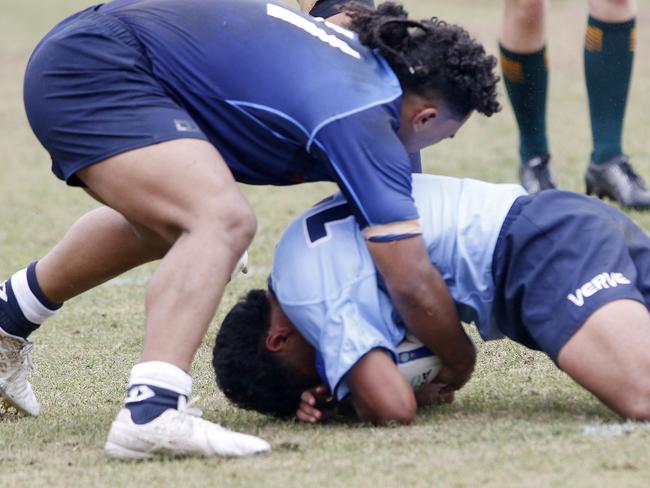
<point>250,376</point>
<point>431,58</point>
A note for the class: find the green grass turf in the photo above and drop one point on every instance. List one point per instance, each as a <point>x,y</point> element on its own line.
<point>518,422</point>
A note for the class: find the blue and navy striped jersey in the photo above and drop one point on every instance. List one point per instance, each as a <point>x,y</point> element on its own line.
<point>284,97</point>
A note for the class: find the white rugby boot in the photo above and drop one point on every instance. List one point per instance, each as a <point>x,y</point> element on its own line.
<point>177,433</point>
<point>15,363</point>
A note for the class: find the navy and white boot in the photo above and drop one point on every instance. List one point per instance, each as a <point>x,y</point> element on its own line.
<point>23,308</point>
<point>158,420</point>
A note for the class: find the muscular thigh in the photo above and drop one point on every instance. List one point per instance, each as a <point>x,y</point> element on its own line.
<point>609,356</point>
<point>168,187</point>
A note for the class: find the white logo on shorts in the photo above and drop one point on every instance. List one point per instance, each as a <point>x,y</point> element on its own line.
<point>186,126</point>
<point>3,292</point>
<point>597,283</point>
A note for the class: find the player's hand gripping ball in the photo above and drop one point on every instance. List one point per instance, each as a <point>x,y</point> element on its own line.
<point>417,364</point>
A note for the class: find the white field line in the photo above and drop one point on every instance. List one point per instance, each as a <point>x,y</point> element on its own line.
<point>613,430</point>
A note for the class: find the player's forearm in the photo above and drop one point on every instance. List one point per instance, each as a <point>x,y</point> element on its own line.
<point>424,303</point>
<point>430,314</point>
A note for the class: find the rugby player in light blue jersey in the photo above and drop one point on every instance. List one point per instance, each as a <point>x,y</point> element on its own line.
<point>557,271</point>
<point>158,107</point>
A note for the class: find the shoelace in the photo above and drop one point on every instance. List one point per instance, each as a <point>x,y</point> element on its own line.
<point>25,355</point>
<point>186,407</point>
<point>628,171</point>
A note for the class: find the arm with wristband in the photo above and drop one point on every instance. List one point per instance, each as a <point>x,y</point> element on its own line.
<point>373,169</point>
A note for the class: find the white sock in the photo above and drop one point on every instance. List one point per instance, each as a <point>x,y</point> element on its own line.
<point>31,307</point>
<point>161,375</point>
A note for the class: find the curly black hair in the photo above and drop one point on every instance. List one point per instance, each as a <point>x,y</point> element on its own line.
<point>431,58</point>
<point>248,374</point>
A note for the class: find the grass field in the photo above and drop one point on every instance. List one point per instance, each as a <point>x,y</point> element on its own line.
<point>519,421</point>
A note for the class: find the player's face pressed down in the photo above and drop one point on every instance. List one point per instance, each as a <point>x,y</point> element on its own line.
<point>284,340</point>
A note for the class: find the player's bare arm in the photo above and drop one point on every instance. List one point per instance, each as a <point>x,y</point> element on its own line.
<point>424,302</point>
<point>379,393</point>
<point>371,401</point>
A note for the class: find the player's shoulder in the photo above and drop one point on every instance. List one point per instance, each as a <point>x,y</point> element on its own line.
<point>320,254</point>
<point>429,186</point>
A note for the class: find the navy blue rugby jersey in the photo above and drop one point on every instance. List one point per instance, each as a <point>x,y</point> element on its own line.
<point>284,97</point>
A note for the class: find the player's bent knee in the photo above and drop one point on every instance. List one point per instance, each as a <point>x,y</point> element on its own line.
<point>236,227</point>
<point>244,232</point>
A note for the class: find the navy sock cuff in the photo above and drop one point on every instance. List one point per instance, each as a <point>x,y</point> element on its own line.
<point>612,26</point>
<point>36,288</point>
<point>522,57</point>
<point>12,319</point>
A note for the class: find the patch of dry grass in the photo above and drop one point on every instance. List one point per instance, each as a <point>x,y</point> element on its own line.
<point>518,422</point>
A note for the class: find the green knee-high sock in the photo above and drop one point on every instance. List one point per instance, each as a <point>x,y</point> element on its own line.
<point>526,79</point>
<point>609,53</point>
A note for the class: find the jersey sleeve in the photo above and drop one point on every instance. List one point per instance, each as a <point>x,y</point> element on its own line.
<point>372,168</point>
<point>326,283</point>
<point>346,328</point>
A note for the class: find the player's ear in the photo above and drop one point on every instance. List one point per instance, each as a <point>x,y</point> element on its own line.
<point>276,338</point>
<point>424,118</point>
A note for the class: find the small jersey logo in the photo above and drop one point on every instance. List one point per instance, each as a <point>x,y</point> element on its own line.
<point>186,126</point>
<point>3,292</point>
<point>599,282</point>
<point>139,393</point>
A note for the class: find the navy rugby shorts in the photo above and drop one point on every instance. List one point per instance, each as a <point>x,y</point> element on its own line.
<point>559,257</point>
<point>90,94</point>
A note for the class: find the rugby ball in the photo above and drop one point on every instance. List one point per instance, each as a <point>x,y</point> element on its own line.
<point>416,362</point>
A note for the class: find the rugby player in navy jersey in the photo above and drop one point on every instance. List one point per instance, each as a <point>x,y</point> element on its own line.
<point>332,10</point>
<point>158,107</point>
<point>327,323</point>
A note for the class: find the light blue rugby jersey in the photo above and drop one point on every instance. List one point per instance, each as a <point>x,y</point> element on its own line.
<point>327,284</point>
